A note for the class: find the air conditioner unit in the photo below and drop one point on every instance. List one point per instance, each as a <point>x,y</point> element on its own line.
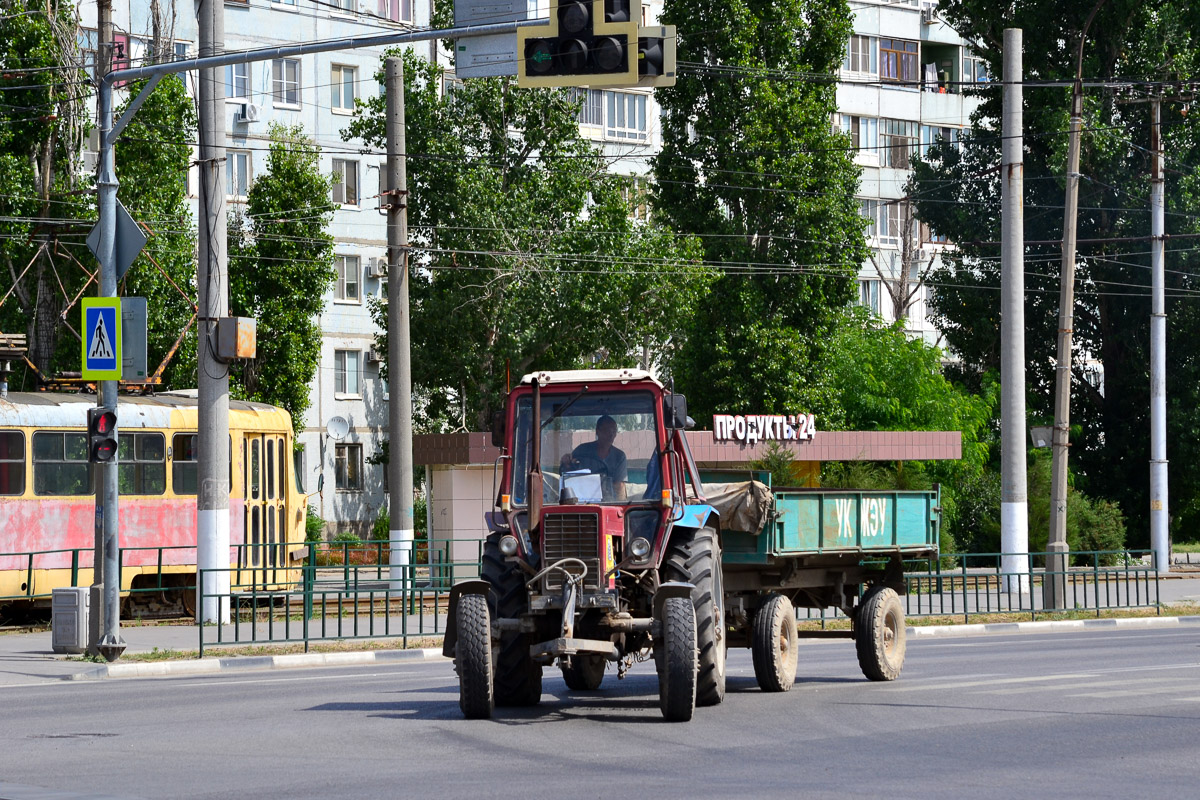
<point>247,113</point>
<point>929,15</point>
<point>376,267</point>
<point>373,356</point>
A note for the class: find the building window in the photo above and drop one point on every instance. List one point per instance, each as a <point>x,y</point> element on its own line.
<point>347,6</point>
<point>88,43</point>
<point>894,217</point>
<point>396,10</point>
<point>929,237</point>
<point>291,4</point>
<point>591,112</point>
<point>931,133</point>
<point>285,81</point>
<point>142,464</point>
<point>974,68</point>
<point>347,467</point>
<point>626,116</point>
<point>863,132</point>
<point>868,295</point>
<point>342,85</point>
<point>346,377</point>
<point>347,279</point>
<point>237,174</point>
<point>861,55</point>
<point>12,462</point>
<point>897,142</point>
<point>898,60</point>
<point>345,182</point>
<point>237,82</point>
<point>869,209</point>
<point>633,190</point>
<point>60,464</point>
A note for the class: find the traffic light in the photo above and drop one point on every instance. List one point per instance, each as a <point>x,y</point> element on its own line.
<point>102,435</point>
<point>656,56</point>
<point>587,43</point>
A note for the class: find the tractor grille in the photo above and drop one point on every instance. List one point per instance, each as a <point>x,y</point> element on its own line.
<point>571,536</point>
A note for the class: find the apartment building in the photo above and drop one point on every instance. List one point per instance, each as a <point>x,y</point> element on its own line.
<point>900,89</point>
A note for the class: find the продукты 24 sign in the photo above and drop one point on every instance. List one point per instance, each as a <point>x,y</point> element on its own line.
<point>753,428</point>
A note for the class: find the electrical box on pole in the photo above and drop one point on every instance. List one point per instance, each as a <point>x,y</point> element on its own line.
<point>595,43</point>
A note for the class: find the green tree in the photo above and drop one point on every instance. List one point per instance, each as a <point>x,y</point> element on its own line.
<point>525,254</point>
<point>957,193</point>
<point>750,164</point>
<point>43,197</point>
<point>152,160</point>
<point>280,267</point>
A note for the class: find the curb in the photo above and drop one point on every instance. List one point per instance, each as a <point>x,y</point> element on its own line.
<point>208,666</point>
<point>1054,626</point>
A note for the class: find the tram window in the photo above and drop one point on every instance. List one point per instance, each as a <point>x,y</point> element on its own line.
<point>60,465</point>
<point>183,463</point>
<point>143,463</point>
<point>254,473</point>
<point>12,462</point>
<point>270,469</point>
<point>282,470</point>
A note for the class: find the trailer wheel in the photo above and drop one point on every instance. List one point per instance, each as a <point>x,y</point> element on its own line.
<point>518,679</point>
<point>586,672</point>
<point>676,660</point>
<point>473,657</point>
<point>879,635</point>
<point>774,644</point>
<point>696,559</point>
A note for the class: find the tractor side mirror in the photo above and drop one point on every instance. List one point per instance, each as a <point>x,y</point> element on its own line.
<point>675,411</point>
<point>498,420</point>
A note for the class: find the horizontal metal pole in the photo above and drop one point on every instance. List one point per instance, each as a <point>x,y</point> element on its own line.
<point>348,43</point>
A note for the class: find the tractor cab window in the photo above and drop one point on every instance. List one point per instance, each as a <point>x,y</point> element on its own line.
<point>595,447</point>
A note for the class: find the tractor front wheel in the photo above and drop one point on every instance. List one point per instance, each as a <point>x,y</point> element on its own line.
<point>676,660</point>
<point>473,657</point>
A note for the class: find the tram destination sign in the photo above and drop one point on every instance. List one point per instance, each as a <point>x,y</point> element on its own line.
<point>751,428</point>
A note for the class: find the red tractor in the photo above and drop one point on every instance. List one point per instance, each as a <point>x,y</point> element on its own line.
<point>602,549</point>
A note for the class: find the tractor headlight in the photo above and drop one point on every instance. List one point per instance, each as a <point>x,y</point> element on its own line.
<point>508,545</point>
<point>639,548</point>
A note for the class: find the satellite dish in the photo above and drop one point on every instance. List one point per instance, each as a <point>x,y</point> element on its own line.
<point>337,428</point>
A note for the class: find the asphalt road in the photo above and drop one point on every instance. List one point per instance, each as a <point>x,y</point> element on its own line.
<point>1092,715</point>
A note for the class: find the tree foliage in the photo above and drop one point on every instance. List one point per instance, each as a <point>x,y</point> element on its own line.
<point>280,267</point>
<point>749,162</point>
<point>525,256</point>
<point>957,193</point>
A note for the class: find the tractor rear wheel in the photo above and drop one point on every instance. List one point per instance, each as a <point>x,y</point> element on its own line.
<point>879,634</point>
<point>518,678</point>
<point>473,657</point>
<point>774,644</point>
<point>585,673</point>
<point>676,660</point>
<point>695,558</point>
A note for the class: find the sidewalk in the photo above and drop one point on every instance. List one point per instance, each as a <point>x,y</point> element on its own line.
<point>27,658</point>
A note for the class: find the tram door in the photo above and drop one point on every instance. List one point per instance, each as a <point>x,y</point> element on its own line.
<point>263,467</point>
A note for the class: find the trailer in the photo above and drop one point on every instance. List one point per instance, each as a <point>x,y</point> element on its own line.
<point>819,549</point>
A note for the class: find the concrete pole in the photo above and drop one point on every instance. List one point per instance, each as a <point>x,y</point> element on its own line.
<point>400,461</point>
<point>1014,506</point>
<point>1159,518</point>
<point>1054,588</point>
<point>212,278</point>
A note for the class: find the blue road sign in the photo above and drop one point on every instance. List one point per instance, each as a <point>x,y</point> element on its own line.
<point>102,338</point>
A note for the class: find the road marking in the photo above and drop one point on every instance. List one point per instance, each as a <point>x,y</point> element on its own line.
<point>1091,685</point>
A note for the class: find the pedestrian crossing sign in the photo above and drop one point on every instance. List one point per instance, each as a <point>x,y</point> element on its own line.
<point>102,338</point>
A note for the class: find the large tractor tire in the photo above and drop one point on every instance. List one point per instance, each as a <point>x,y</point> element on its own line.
<point>675,658</point>
<point>696,559</point>
<point>473,657</point>
<point>518,678</point>
<point>586,672</point>
<point>774,644</point>
<point>879,634</point>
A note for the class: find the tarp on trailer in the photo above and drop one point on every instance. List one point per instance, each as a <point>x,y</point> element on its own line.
<point>743,506</point>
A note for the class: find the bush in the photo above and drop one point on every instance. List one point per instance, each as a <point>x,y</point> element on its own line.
<point>314,526</point>
<point>381,530</point>
<point>348,538</point>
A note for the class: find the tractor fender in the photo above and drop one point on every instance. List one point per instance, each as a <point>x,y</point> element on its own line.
<point>478,586</point>
<point>697,516</point>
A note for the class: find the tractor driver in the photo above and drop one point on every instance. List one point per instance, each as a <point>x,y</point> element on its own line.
<point>602,458</point>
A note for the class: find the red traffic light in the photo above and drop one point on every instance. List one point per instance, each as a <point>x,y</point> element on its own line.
<point>102,435</point>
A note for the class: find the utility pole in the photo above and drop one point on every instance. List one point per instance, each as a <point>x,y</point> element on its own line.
<point>1014,504</point>
<point>212,382</point>
<point>104,628</point>
<point>1158,349</point>
<point>400,466</point>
